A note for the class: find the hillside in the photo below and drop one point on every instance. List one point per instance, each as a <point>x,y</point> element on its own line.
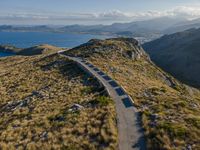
<point>40,49</point>
<point>35,50</point>
<point>169,109</point>
<point>182,26</point>
<point>178,54</point>
<point>38,102</point>
<point>38,94</point>
<point>9,49</point>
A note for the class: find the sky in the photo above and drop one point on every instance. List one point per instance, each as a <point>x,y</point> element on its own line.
<point>64,12</point>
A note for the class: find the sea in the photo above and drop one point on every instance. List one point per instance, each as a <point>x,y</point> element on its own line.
<point>29,39</point>
<point>5,54</point>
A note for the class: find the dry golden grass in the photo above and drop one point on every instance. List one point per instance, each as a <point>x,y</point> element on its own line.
<point>36,94</point>
<point>170,110</point>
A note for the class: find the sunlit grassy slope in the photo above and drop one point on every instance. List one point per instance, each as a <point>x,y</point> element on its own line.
<point>36,94</point>
<point>170,110</point>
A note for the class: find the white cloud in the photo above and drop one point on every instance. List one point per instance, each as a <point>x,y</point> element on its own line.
<point>115,14</point>
<point>186,11</point>
<point>189,12</point>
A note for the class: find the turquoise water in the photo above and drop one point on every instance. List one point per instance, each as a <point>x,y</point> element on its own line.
<point>28,39</point>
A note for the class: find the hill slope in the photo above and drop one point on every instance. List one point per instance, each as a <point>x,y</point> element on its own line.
<point>9,49</point>
<point>40,49</point>
<point>35,50</point>
<point>169,109</point>
<point>37,95</point>
<point>182,26</point>
<point>178,54</point>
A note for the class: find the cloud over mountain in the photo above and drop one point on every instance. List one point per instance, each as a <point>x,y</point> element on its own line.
<point>189,12</point>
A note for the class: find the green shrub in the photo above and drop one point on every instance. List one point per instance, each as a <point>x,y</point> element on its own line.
<point>174,130</point>
<point>87,90</point>
<point>103,100</point>
<point>193,121</point>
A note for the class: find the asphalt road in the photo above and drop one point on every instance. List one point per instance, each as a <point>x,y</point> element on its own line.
<point>130,133</point>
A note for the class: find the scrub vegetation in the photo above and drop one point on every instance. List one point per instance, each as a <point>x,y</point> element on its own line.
<point>37,96</point>
<point>170,110</point>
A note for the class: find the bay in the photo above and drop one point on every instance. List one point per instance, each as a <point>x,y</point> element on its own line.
<point>29,39</point>
<point>2,54</point>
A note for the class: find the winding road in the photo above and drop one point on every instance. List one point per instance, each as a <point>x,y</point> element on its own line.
<point>130,133</point>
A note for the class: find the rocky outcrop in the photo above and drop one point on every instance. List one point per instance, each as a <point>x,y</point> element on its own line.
<point>127,47</point>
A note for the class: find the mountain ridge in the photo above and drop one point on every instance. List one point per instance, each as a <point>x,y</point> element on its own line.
<point>178,54</point>
<point>147,29</point>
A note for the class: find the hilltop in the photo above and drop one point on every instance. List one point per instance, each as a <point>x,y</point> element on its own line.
<point>40,49</point>
<point>169,109</point>
<point>9,49</point>
<point>178,54</point>
<point>35,50</point>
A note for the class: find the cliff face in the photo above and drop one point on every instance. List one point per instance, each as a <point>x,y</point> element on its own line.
<point>178,54</point>
<point>166,105</point>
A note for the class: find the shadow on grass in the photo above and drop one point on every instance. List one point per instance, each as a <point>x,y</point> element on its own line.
<point>141,143</point>
<point>71,71</point>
